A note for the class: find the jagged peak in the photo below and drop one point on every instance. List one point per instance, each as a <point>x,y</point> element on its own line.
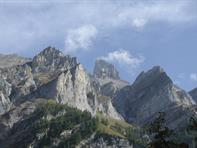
<point>149,77</point>
<point>51,59</point>
<point>51,51</point>
<point>103,70</point>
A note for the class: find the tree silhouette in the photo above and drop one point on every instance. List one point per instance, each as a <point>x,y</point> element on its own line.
<point>161,135</point>
<point>192,128</point>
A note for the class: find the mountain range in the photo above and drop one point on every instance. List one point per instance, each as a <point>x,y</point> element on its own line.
<point>50,75</point>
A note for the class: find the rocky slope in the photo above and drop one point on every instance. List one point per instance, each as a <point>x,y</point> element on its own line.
<point>107,77</point>
<point>153,92</point>
<point>51,74</point>
<point>12,60</point>
<point>193,93</point>
<point>47,124</point>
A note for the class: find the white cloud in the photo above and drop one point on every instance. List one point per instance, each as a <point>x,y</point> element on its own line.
<point>80,38</point>
<point>123,57</point>
<point>47,23</point>
<point>138,23</point>
<point>193,76</point>
<point>141,13</point>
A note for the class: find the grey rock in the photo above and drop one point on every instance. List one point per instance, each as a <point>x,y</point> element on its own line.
<point>71,87</point>
<point>193,93</point>
<point>12,60</point>
<point>153,92</point>
<point>105,141</point>
<point>5,91</point>
<point>15,115</point>
<point>21,79</point>
<point>103,69</point>
<point>50,60</point>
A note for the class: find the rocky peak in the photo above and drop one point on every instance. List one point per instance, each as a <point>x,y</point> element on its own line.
<point>155,76</point>
<point>51,59</point>
<point>152,92</point>
<point>193,93</point>
<point>105,70</point>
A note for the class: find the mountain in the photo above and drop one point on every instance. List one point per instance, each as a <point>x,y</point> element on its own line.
<point>104,70</point>
<point>45,123</point>
<point>50,74</point>
<point>152,92</point>
<point>12,60</point>
<point>51,100</point>
<point>107,77</point>
<point>193,93</point>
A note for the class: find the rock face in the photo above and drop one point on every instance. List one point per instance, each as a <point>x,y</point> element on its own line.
<point>52,60</point>
<point>12,60</point>
<point>107,142</point>
<point>106,82</point>
<point>153,92</point>
<point>51,75</point>
<point>105,70</point>
<point>5,91</point>
<point>70,87</point>
<point>193,93</point>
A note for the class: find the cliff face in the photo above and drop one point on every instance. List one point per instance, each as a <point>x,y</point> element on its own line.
<point>153,92</point>
<point>5,91</point>
<point>51,75</point>
<point>104,70</point>
<point>193,93</point>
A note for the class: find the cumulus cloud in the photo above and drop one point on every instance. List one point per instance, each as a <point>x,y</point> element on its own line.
<point>193,77</point>
<point>123,57</point>
<point>80,38</point>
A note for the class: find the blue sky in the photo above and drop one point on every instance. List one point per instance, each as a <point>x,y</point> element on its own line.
<point>133,35</point>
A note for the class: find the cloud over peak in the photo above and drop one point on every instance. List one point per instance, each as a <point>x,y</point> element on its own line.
<point>123,57</point>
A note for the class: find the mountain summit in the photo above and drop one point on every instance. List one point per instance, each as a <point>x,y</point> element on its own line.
<point>104,70</point>
<point>153,92</point>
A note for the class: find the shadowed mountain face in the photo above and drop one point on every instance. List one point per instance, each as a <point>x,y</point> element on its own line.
<point>193,93</point>
<point>153,92</point>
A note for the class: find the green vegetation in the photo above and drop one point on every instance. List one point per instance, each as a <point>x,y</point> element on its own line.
<point>162,136</point>
<point>61,126</point>
<point>122,129</point>
<point>79,125</point>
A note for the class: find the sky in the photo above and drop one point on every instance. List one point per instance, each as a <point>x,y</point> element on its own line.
<point>134,35</point>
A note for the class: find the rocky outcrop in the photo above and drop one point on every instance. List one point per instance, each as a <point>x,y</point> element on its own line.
<point>106,107</point>
<point>52,60</point>
<point>12,60</point>
<point>153,92</point>
<point>106,141</point>
<point>17,114</point>
<point>104,70</point>
<point>52,75</point>
<point>5,91</point>
<point>193,93</point>
<point>70,87</point>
